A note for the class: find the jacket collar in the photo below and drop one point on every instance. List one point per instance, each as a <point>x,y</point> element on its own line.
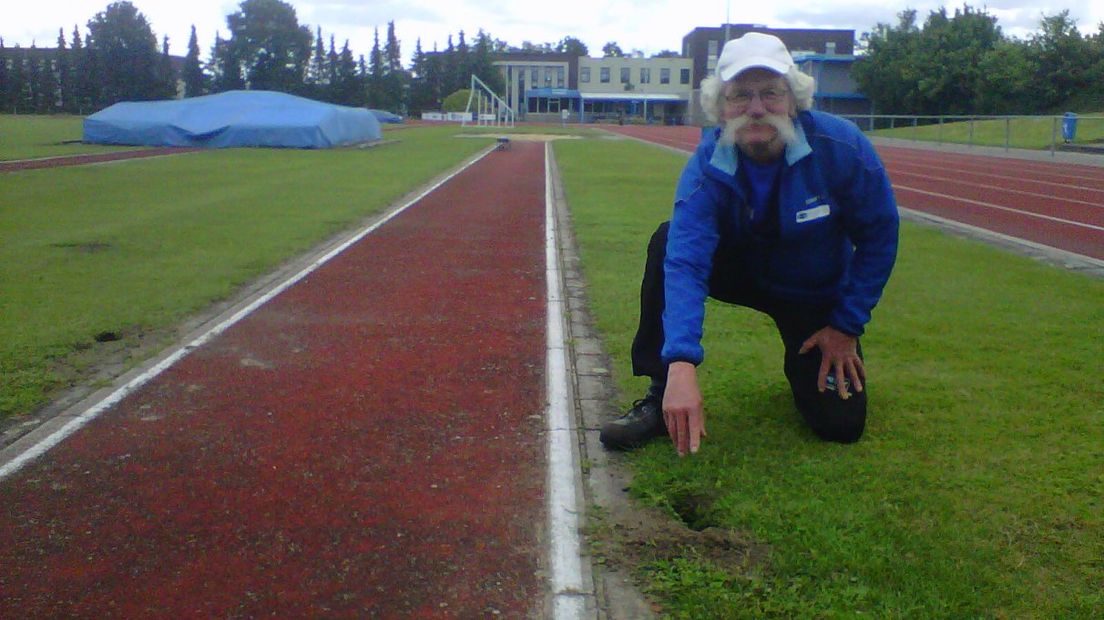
<point>725,159</point>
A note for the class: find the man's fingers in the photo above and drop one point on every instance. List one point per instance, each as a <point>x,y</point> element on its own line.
<point>822,375</point>
<point>856,375</point>
<point>697,429</point>
<point>683,443</point>
<point>841,382</point>
<point>805,346</point>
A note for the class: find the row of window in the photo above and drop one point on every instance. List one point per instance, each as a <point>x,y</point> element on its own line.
<point>626,73</point>
<point>553,76</point>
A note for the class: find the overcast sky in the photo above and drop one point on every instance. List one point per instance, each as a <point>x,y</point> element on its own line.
<point>646,25</point>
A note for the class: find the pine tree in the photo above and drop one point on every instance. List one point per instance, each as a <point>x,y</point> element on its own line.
<point>463,64</point>
<point>5,81</point>
<point>63,72</point>
<point>166,76</point>
<point>482,64</point>
<point>316,72</point>
<point>375,75</point>
<point>80,83</point>
<point>331,71</point>
<point>394,84</point>
<point>17,82</point>
<point>347,85</point>
<point>194,79</point>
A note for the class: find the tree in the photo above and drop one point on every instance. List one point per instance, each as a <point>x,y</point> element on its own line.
<point>82,90</point>
<point>667,54</point>
<point>225,71</point>
<point>5,80</point>
<point>124,55</point>
<point>376,98</point>
<point>1063,58</point>
<point>482,64</point>
<point>269,46</point>
<point>612,50</point>
<point>346,87</point>
<point>887,75</point>
<point>195,82</point>
<point>394,80</point>
<point>317,73</point>
<point>573,46</point>
<point>64,73</point>
<point>166,76</point>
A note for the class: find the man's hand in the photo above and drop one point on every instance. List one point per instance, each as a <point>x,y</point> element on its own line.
<point>682,408</point>
<point>838,354</point>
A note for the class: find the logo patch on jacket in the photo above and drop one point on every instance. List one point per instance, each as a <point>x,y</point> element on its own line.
<point>815,213</point>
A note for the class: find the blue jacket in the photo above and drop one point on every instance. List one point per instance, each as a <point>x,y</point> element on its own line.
<point>837,230</point>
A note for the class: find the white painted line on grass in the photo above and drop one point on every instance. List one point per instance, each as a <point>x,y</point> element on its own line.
<point>1065,255</point>
<point>95,410</point>
<point>990,205</point>
<point>563,512</point>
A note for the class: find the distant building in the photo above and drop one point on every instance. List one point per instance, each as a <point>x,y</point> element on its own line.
<point>543,87</point>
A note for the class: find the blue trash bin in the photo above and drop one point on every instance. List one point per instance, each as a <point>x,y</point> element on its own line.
<point>1069,127</point>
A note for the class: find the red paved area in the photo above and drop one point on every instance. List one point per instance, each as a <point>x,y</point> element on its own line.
<point>1059,205</point>
<point>367,444</point>
<point>90,158</point>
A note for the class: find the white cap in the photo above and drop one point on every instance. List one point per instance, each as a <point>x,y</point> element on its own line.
<point>752,50</point>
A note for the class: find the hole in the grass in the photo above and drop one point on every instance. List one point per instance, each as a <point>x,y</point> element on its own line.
<point>107,337</point>
<point>695,510</point>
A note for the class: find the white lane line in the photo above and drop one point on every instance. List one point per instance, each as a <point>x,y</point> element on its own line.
<point>1064,255</point>
<point>563,511</point>
<point>943,168</point>
<point>999,207</point>
<point>95,410</point>
<point>1049,197</point>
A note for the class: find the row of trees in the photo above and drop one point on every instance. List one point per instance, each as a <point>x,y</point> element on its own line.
<point>963,64</point>
<point>267,49</point>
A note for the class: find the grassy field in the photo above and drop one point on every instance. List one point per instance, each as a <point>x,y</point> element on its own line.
<point>30,137</point>
<point>978,490</point>
<point>1025,132</point>
<point>134,247</point>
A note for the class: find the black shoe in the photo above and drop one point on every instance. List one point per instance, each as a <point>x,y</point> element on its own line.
<point>640,425</point>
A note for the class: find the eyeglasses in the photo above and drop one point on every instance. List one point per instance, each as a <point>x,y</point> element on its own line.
<point>769,96</point>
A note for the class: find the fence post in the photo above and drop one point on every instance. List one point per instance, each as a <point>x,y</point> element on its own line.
<point>1053,134</point>
<point>939,139</point>
<point>915,128</point>
<point>1007,131</point>
<point>971,142</point>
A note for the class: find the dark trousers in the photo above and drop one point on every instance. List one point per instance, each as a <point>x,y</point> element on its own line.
<point>830,417</point>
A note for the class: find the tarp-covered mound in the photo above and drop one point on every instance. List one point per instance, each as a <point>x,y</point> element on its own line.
<point>231,119</point>
<point>384,116</point>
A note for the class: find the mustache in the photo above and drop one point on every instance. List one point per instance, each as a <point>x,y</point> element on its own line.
<point>783,124</point>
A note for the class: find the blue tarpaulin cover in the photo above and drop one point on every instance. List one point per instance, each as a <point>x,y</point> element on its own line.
<point>384,116</point>
<point>231,119</point>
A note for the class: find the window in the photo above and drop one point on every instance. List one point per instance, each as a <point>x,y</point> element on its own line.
<point>624,75</point>
<point>713,46</point>
<point>684,76</point>
<point>604,77</point>
<point>534,75</point>
<point>645,75</point>
<point>548,77</point>
<point>584,74</point>
<point>559,77</point>
<point>830,48</point>
<point>664,76</point>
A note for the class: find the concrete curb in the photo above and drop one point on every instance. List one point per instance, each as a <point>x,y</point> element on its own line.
<point>593,392</point>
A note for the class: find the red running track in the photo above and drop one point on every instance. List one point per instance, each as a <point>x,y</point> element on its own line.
<point>366,444</point>
<point>1055,204</point>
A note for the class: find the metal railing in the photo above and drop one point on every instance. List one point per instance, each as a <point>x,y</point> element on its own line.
<point>1030,132</point>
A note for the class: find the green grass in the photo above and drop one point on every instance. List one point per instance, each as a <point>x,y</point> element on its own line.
<point>135,247</point>
<point>1025,132</point>
<point>30,137</point>
<point>978,489</point>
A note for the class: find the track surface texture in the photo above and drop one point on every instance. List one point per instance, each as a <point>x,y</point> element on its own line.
<point>369,443</point>
<point>1059,205</point>
<point>90,158</point>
